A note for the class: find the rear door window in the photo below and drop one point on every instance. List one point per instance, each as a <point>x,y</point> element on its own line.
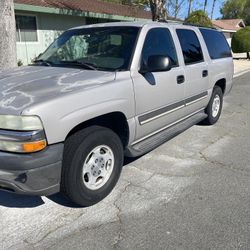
<point>216,44</point>
<point>190,45</point>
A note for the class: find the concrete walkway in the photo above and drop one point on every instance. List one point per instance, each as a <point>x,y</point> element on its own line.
<point>241,66</point>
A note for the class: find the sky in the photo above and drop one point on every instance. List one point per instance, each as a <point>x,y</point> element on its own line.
<point>198,4</point>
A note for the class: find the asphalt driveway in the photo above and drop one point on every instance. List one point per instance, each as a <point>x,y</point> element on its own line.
<point>193,192</point>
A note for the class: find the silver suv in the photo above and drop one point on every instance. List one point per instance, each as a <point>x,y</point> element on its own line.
<point>103,91</point>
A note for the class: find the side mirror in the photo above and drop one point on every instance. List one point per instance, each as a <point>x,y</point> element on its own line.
<point>156,63</point>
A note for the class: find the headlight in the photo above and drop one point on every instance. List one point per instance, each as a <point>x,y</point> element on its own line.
<point>27,123</point>
<point>23,147</point>
<point>21,134</point>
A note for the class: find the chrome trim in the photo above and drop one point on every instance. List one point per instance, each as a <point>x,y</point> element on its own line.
<point>170,108</point>
<point>166,127</point>
<point>162,114</point>
<point>21,136</point>
<point>197,100</point>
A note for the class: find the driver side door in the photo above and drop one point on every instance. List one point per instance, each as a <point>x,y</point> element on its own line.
<point>159,95</point>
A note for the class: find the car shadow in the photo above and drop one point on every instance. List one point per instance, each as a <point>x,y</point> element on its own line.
<point>12,200</point>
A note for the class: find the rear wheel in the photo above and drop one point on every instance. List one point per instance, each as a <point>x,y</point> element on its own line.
<point>214,107</point>
<point>92,164</point>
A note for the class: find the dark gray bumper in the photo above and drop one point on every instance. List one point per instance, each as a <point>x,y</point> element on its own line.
<point>32,174</point>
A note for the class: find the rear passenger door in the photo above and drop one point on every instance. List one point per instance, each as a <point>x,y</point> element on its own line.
<point>196,70</point>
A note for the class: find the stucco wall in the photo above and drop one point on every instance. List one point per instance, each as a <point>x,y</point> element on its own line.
<point>49,27</point>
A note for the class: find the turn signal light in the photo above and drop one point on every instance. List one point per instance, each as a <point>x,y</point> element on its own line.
<point>35,146</point>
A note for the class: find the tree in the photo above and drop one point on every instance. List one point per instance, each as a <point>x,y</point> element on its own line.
<point>176,6</point>
<point>199,17</point>
<point>7,35</point>
<point>213,7</point>
<point>241,41</point>
<point>158,10</point>
<point>236,9</point>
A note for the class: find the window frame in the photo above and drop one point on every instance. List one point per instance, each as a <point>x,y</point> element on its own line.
<point>37,33</point>
<point>173,41</point>
<point>197,36</point>
<point>226,42</point>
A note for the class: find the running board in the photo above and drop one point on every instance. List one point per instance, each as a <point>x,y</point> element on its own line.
<point>143,146</point>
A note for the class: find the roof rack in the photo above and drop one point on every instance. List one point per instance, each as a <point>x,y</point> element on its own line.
<point>162,21</point>
<point>200,26</point>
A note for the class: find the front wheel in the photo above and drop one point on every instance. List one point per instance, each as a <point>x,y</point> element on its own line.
<point>214,107</point>
<point>92,164</point>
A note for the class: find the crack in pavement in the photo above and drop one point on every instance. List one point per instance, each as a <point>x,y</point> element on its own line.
<point>34,244</point>
<point>118,238</point>
<point>222,165</point>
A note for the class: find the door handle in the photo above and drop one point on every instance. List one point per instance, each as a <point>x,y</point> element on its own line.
<point>180,79</point>
<point>204,73</point>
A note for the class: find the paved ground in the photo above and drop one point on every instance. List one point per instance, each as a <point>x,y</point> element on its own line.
<point>191,193</point>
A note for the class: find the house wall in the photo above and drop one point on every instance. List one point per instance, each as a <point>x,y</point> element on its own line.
<point>228,36</point>
<point>49,26</point>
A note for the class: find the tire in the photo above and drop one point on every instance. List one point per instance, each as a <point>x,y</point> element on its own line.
<point>214,115</point>
<point>79,169</point>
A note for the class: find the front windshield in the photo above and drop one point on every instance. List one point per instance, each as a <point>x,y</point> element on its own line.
<point>104,48</point>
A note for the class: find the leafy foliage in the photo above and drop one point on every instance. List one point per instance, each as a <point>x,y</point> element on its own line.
<point>236,9</point>
<point>241,41</point>
<point>199,17</point>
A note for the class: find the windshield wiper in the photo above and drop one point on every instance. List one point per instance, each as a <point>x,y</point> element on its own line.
<point>43,62</point>
<point>84,65</point>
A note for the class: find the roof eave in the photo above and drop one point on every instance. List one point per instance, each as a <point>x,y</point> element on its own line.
<point>70,12</point>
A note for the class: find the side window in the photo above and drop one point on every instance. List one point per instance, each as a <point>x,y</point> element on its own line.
<point>26,29</point>
<point>216,44</point>
<point>159,42</point>
<point>190,45</point>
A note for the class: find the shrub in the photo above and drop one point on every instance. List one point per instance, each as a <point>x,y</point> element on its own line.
<point>19,63</point>
<point>199,18</point>
<point>241,41</point>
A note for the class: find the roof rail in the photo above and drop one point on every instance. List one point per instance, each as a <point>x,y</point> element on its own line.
<point>162,21</point>
<point>200,26</point>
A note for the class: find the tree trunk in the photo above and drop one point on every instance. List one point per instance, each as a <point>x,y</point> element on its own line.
<point>248,55</point>
<point>189,7</point>
<point>212,13</point>
<point>205,5</point>
<point>7,35</point>
<point>158,10</point>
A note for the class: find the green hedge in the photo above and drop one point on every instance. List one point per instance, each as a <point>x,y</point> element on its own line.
<point>241,41</point>
<point>199,17</point>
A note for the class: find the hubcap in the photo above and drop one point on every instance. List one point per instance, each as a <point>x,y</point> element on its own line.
<point>98,167</point>
<point>216,106</point>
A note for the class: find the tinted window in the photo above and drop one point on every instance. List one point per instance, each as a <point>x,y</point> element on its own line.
<point>105,48</point>
<point>159,42</point>
<point>216,44</point>
<point>190,45</point>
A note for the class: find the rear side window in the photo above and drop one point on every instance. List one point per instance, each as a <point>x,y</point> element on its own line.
<point>190,45</point>
<point>159,42</point>
<point>216,44</point>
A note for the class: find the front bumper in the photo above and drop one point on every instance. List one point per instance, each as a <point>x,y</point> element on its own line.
<point>32,174</point>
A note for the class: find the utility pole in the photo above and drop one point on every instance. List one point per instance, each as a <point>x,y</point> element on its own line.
<point>189,6</point>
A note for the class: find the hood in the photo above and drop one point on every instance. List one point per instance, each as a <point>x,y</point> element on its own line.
<point>23,87</point>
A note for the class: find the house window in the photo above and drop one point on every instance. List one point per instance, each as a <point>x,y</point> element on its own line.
<point>26,28</point>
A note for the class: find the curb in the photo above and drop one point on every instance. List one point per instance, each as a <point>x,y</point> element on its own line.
<point>241,73</point>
